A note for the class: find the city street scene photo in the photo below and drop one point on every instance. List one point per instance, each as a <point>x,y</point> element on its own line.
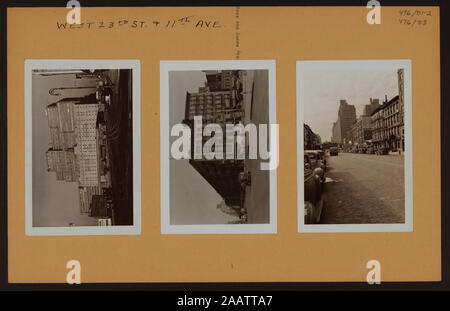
<point>219,189</point>
<point>81,148</point>
<point>354,155</point>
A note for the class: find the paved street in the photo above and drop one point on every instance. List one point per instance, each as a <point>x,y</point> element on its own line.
<point>257,195</point>
<point>364,188</point>
<point>119,127</point>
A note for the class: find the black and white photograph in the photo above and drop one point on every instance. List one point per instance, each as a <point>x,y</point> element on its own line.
<point>354,146</point>
<point>82,142</point>
<point>215,124</point>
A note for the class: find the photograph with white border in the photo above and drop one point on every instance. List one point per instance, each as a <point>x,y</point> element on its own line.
<point>354,137</point>
<point>219,147</point>
<point>82,147</point>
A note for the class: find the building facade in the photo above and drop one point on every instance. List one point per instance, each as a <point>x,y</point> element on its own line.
<point>387,126</point>
<point>311,140</point>
<point>85,194</point>
<point>360,132</point>
<point>393,124</point>
<point>371,107</point>
<point>64,163</point>
<point>377,119</point>
<point>219,80</point>
<point>336,133</point>
<point>346,118</point>
<point>98,206</point>
<point>73,154</point>
<point>60,121</point>
<point>221,108</point>
<point>401,108</point>
<point>388,120</point>
<point>86,137</point>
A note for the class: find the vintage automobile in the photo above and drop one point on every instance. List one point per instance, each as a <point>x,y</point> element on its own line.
<point>317,163</point>
<point>104,221</point>
<point>334,151</point>
<point>382,151</point>
<point>323,157</point>
<point>244,180</point>
<point>313,202</point>
<point>104,95</point>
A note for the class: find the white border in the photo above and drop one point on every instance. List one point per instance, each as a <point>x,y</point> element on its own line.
<point>165,67</point>
<point>304,66</point>
<point>135,229</point>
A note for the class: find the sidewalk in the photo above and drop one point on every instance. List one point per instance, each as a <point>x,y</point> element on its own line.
<point>247,86</point>
<point>395,153</point>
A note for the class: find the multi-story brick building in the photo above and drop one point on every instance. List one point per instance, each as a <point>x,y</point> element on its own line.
<point>60,121</point>
<point>388,120</point>
<point>374,104</point>
<point>311,140</point>
<point>387,125</point>
<point>221,108</point>
<point>64,163</point>
<point>219,80</point>
<point>85,194</point>
<point>74,148</point>
<point>346,118</point>
<point>401,108</point>
<point>336,133</point>
<point>85,117</point>
<point>72,123</point>
<point>377,120</point>
<point>393,124</point>
<point>360,132</point>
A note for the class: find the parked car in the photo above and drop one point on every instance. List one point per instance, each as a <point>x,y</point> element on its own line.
<point>104,94</point>
<point>237,84</point>
<point>317,163</point>
<point>382,151</point>
<point>244,180</point>
<point>334,151</point>
<point>104,221</point>
<point>313,202</point>
<point>323,157</point>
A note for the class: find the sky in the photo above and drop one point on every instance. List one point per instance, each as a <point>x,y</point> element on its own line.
<point>55,203</point>
<point>192,199</point>
<point>323,90</point>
